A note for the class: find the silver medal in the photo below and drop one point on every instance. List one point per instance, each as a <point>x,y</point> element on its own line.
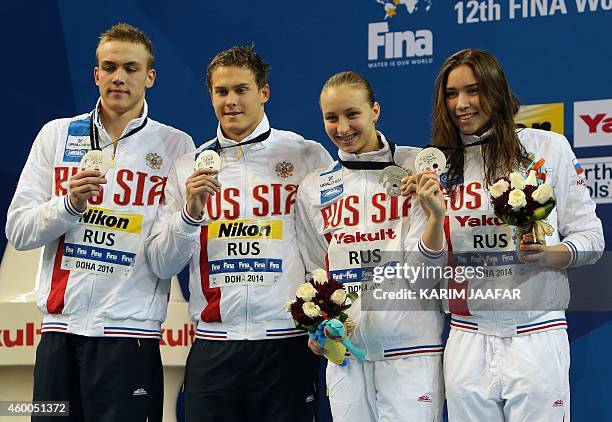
<point>391,179</point>
<point>208,159</point>
<point>96,160</point>
<point>430,160</point>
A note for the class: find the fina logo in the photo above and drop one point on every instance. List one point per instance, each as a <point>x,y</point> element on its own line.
<point>388,48</point>
<point>332,192</point>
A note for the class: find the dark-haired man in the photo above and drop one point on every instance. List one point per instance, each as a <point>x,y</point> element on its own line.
<point>102,306</point>
<point>237,231</point>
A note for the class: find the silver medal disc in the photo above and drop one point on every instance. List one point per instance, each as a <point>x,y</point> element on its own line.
<point>208,159</point>
<point>96,160</point>
<point>432,160</point>
<point>391,179</point>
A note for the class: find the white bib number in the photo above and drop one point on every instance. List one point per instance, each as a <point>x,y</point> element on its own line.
<point>480,239</point>
<point>240,252</point>
<point>104,242</point>
<point>353,254</point>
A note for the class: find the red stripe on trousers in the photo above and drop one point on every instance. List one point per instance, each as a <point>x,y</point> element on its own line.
<point>457,306</point>
<point>328,237</point>
<point>59,281</point>
<point>212,310</point>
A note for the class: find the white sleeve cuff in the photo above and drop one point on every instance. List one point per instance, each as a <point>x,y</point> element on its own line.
<point>572,250</point>
<point>70,209</point>
<point>429,253</point>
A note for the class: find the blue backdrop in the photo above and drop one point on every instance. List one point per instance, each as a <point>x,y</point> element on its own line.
<point>553,51</point>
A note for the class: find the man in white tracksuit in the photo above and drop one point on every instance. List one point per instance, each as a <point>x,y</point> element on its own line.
<point>102,306</point>
<point>237,233</point>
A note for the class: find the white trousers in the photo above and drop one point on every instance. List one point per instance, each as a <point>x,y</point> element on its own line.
<point>507,379</point>
<point>409,389</point>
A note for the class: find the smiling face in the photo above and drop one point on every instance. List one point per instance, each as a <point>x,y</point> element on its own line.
<point>349,118</point>
<point>237,101</point>
<point>463,101</point>
<point>122,76</point>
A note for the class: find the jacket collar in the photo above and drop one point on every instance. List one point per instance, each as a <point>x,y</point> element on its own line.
<point>262,127</point>
<point>470,139</point>
<point>133,124</point>
<point>382,154</point>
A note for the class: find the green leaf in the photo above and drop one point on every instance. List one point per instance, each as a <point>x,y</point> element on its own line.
<point>353,296</point>
<point>542,212</point>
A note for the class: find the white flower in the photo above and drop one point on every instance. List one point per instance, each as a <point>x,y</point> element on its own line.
<point>306,292</point>
<point>288,305</point>
<point>542,194</point>
<point>517,181</point>
<point>531,179</point>
<point>517,199</point>
<point>498,188</point>
<point>311,309</point>
<point>319,275</point>
<point>338,297</point>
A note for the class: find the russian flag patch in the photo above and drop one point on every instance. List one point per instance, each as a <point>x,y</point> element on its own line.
<point>578,167</point>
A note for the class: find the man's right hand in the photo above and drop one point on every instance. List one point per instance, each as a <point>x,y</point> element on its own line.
<point>200,185</point>
<point>84,185</point>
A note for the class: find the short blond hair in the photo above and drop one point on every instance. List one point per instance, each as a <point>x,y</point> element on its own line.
<point>129,33</point>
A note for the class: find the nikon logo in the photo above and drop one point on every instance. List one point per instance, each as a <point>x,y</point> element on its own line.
<point>108,219</point>
<point>246,229</point>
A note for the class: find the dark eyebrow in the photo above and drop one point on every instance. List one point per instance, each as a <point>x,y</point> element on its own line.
<point>452,88</point>
<point>216,87</point>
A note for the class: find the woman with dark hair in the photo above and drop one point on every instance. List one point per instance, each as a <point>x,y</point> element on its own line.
<point>351,225</point>
<point>507,356</point>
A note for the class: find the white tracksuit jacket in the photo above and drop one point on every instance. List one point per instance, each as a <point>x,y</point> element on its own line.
<point>475,234</point>
<point>345,217</point>
<point>243,255</point>
<point>94,279</point>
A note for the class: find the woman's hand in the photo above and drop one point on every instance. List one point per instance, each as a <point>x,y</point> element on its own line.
<point>429,195</point>
<point>556,256</point>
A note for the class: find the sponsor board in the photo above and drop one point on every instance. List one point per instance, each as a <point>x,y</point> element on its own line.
<point>598,174</point>
<point>541,116</point>
<point>593,123</point>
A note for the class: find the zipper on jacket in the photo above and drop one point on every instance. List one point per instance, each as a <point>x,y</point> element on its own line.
<point>362,225</point>
<point>244,163</point>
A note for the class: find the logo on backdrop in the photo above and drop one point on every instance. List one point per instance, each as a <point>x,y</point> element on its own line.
<point>400,42</point>
<point>593,123</point>
<point>598,174</point>
<point>541,116</point>
<point>395,7</point>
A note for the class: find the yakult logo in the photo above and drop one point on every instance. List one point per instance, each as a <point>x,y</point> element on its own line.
<point>593,123</point>
<point>19,337</point>
<point>598,174</point>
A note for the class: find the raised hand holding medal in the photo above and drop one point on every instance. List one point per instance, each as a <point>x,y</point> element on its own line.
<point>430,163</point>
<point>202,182</point>
<point>86,183</point>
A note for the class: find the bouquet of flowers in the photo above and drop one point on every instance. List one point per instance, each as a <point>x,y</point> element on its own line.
<point>319,308</point>
<point>524,203</point>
